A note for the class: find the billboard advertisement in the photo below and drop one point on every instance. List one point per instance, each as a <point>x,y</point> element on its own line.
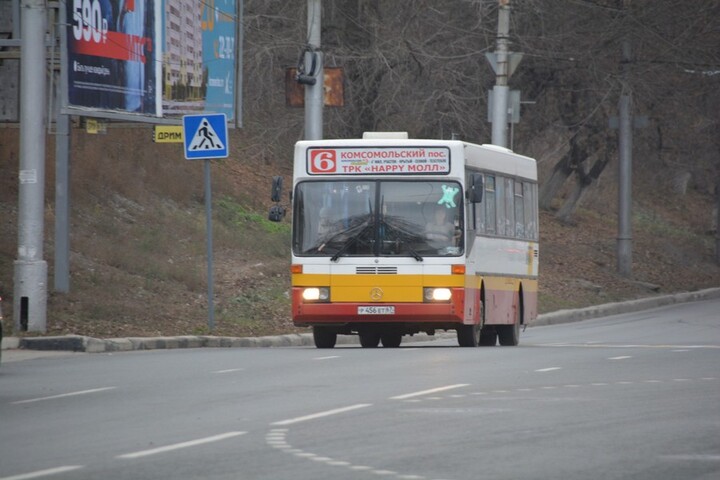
<point>152,58</point>
<point>199,73</point>
<point>113,55</point>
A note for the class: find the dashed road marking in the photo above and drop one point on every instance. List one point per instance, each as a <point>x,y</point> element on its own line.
<point>427,392</point>
<point>329,357</point>
<point>229,370</point>
<point>609,345</point>
<point>621,357</point>
<point>278,437</point>
<point>178,446</point>
<point>64,395</point>
<point>44,473</point>
<point>326,413</point>
<point>549,369</point>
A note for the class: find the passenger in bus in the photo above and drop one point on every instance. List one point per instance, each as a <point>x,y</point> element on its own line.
<point>441,232</point>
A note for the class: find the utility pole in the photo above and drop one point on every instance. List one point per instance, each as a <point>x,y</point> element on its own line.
<point>30,276</point>
<point>501,89</point>
<point>625,138</point>
<point>503,105</point>
<point>314,88</point>
<point>62,169</point>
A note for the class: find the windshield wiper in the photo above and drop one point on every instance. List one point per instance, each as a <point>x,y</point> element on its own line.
<point>351,241</point>
<point>404,238</point>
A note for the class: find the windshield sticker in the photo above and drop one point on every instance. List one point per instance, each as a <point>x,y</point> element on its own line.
<point>448,198</point>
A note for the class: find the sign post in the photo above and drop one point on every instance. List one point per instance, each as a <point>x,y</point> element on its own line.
<point>205,137</point>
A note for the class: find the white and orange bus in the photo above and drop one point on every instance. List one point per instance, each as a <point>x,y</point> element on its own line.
<point>394,236</point>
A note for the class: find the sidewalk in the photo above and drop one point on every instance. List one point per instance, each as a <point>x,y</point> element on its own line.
<point>77,343</point>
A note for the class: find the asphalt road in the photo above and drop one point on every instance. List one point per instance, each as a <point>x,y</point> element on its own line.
<point>630,396</point>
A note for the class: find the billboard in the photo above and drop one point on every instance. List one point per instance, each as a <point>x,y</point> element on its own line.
<point>199,73</point>
<point>152,58</point>
<point>113,51</point>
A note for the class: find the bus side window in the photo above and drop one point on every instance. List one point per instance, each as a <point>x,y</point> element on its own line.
<point>509,207</point>
<point>490,206</point>
<point>519,211</point>
<point>531,231</point>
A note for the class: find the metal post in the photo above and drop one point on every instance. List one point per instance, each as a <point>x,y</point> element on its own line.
<point>314,94</point>
<point>30,276</point>
<point>501,89</point>
<point>717,223</point>
<point>240,34</point>
<point>625,126</point>
<point>208,228</point>
<point>624,240</point>
<point>62,171</point>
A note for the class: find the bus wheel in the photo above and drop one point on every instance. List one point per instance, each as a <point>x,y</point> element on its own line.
<point>391,340</point>
<point>488,336</point>
<point>324,337</point>
<point>509,335</point>
<point>369,338</point>
<point>468,335</point>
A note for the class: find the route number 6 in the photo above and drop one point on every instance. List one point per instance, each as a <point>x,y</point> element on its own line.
<point>322,161</point>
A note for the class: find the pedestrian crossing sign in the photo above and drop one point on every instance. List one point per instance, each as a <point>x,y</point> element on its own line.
<point>205,136</point>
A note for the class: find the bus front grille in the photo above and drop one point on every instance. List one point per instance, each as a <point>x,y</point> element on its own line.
<point>376,270</point>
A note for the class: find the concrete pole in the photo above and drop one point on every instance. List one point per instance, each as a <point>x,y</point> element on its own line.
<point>501,89</point>
<point>62,172</point>
<point>314,94</point>
<point>30,276</point>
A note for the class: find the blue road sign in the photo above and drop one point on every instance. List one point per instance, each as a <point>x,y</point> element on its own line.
<point>205,136</point>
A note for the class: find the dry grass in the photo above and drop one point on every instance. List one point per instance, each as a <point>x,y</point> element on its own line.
<point>138,261</point>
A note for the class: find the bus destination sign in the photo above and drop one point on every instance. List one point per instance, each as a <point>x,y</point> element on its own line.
<point>378,160</point>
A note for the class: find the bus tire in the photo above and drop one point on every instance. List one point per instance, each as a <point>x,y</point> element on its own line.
<point>324,337</point>
<point>509,335</point>
<point>391,340</point>
<point>369,338</point>
<point>488,336</point>
<point>468,335</point>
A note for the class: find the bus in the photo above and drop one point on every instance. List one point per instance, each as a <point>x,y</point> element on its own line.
<point>394,236</point>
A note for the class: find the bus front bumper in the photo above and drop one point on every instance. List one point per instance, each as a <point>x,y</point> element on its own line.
<point>439,315</point>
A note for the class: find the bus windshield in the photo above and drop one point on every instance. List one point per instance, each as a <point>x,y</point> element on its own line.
<point>378,218</point>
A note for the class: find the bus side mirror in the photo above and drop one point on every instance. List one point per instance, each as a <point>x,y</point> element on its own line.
<point>276,190</point>
<point>277,211</point>
<point>475,190</point>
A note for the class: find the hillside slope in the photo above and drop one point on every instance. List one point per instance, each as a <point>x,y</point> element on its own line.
<point>138,264</point>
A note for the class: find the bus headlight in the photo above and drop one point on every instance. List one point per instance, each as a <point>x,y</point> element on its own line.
<point>316,294</point>
<point>437,294</point>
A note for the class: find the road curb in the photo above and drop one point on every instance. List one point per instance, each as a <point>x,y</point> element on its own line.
<point>79,343</point>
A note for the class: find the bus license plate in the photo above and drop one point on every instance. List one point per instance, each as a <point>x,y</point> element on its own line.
<point>376,310</point>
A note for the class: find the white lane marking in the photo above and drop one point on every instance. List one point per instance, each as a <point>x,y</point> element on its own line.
<point>606,345</point>
<point>549,369</point>
<point>178,446</point>
<point>44,473</point>
<point>229,370</point>
<point>621,357</point>
<point>426,392</point>
<point>693,457</point>
<point>326,413</point>
<point>327,358</point>
<point>63,395</point>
